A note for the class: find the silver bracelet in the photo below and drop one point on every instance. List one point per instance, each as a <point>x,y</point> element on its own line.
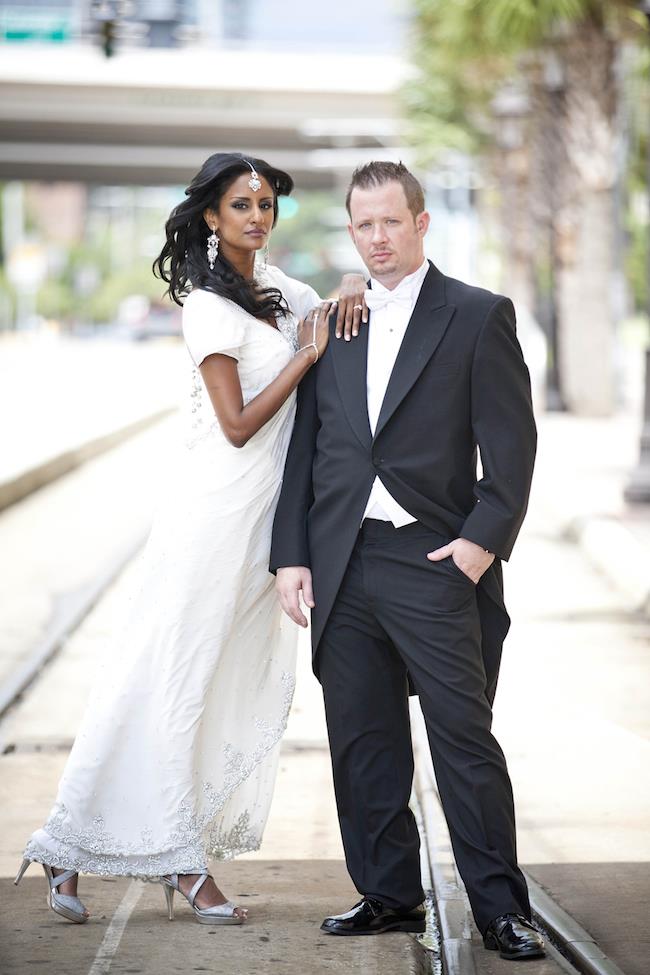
<point>311,345</point>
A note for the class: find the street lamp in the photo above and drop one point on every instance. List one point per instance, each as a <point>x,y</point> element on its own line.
<point>637,489</point>
<point>552,80</point>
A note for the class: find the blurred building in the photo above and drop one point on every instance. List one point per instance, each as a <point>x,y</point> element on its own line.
<point>373,25</point>
<point>119,98</point>
<point>185,78</point>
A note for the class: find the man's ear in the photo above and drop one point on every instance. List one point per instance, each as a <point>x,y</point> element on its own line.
<point>422,222</point>
<point>351,232</point>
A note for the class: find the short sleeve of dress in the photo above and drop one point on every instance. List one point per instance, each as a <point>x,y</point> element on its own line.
<point>211,325</point>
<point>300,297</point>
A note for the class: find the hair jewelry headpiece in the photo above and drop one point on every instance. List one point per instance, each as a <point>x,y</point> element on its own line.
<point>254,182</point>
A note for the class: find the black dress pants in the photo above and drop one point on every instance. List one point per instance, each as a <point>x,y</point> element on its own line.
<point>397,612</point>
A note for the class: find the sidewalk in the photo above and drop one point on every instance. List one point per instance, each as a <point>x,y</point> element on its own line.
<point>581,472</point>
<point>69,399</point>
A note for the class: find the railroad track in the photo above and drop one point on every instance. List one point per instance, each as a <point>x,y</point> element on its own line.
<point>91,469</point>
<point>449,949</point>
<point>67,617</point>
<point>449,938</point>
<point>447,944</point>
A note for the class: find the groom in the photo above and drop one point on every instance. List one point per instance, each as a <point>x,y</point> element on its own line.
<point>381,512</point>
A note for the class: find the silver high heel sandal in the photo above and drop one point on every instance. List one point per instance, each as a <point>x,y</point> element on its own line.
<point>219,914</point>
<point>64,904</point>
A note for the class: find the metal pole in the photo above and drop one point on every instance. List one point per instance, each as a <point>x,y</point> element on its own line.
<point>637,490</point>
<point>554,400</point>
<point>554,84</point>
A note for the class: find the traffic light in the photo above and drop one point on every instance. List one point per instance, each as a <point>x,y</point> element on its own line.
<point>107,15</point>
<point>108,30</point>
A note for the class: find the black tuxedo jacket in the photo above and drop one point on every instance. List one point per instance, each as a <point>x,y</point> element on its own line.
<point>459,381</point>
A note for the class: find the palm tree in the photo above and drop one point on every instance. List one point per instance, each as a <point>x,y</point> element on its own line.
<point>565,55</point>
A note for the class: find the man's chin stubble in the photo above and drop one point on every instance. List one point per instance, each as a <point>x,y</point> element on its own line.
<point>382,270</point>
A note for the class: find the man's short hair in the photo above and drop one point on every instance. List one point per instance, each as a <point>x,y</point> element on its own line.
<point>378,173</point>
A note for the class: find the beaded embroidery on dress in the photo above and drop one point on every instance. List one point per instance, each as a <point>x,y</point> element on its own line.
<point>176,756</point>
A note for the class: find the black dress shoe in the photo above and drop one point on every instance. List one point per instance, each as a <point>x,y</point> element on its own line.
<point>513,937</point>
<point>370,916</point>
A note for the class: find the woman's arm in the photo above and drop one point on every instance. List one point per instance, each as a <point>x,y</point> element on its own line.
<point>289,557</point>
<point>240,422</point>
<point>352,306</point>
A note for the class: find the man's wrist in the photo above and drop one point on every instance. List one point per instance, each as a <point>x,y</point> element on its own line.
<point>478,545</point>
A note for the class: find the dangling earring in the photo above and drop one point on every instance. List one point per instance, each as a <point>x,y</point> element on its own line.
<point>266,254</point>
<point>213,249</point>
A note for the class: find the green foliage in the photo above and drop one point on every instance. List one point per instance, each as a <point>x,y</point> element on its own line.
<point>300,243</point>
<point>636,261</point>
<point>507,26</point>
<point>636,219</point>
<point>103,303</point>
<point>446,102</point>
<point>55,300</point>
<point>7,301</point>
<point>465,50</point>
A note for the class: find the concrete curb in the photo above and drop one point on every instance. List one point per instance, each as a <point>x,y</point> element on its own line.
<point>17,488</point>
<point>617,553</point>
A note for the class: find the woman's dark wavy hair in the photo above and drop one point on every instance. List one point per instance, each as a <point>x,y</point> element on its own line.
<point>183,262</point>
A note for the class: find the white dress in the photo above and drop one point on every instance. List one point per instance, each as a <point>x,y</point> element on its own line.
<point>176,756</point>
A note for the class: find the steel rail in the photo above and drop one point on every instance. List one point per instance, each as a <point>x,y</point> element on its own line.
<point>567,943</point>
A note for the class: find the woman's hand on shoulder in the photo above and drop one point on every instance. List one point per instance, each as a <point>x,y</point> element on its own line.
<point>313,330</point>
<point>352,306</point>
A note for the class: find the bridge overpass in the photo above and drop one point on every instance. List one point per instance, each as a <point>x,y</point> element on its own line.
<point>150,117</point>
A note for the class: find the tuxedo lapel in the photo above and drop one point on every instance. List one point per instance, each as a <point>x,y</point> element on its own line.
<point>350,365</point>
<point>426,327</point>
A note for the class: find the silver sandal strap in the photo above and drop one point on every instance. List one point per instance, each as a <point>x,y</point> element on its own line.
<point>61,879</point>
<point>196,888</point>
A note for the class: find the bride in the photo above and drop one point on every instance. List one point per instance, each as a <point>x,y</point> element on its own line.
<point>176,756</point>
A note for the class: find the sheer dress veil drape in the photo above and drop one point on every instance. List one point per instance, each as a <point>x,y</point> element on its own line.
<point>176,756</point>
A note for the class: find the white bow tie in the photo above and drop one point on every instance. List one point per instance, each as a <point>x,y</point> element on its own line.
<point>380,299</point>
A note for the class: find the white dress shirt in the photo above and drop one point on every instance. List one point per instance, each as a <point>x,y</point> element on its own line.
<point>390,314</point>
